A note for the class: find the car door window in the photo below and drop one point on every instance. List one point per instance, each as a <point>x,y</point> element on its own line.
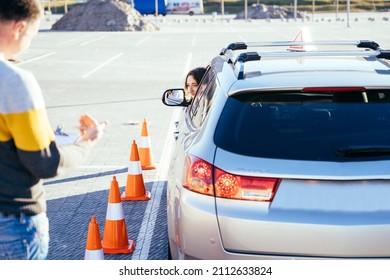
<point>203,98</point>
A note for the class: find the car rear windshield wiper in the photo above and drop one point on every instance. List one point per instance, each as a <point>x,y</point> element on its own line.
<point>363,151</point>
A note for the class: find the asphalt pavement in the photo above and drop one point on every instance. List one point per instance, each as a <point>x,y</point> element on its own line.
<point>120,77</point>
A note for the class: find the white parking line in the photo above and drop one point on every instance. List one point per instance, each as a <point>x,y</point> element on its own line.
<point>242,38</point>
<point>101,65</point>
<point>71,40</point>
<point>93,40</point>
<point>145,235</point>
<point>142,41</point>
<point>187,65</point>
<point>36,58</point>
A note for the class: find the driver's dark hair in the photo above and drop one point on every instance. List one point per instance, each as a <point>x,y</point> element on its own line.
<point>20,10</point>
<point>197,73</point>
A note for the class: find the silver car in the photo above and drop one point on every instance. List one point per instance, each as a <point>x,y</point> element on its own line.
<point>284,154</point>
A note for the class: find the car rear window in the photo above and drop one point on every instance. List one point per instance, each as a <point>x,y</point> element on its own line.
<point>312,124</point>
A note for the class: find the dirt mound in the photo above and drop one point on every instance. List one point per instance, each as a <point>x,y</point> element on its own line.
<point>261,11</point>
<point>103,15</point>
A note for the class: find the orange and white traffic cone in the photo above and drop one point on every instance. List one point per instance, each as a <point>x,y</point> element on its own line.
<point>135,186</point>
<point>115,240</point>
<point>145,152</point>
<point>93,250</point>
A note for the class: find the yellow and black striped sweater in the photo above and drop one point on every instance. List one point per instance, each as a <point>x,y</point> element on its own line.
<point>28,151</point>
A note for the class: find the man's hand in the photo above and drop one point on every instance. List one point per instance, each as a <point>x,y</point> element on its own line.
<point>91,129</point>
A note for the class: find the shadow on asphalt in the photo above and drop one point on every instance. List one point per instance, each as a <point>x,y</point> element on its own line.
<point>88,176</point>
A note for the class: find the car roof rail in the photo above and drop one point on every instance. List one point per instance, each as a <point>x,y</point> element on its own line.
<point>367,44</point>
<point>384,54</point>
<point>232,56</point>
<point>371,49</point>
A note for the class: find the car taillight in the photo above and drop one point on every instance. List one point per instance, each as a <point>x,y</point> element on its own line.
<point>244,187</point>
<point>199,178</point>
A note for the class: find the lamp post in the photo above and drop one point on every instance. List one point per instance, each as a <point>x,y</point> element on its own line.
<point>295,9</point>
<point>222,8</point>
<point>246,10</point>
<point>313,9</point>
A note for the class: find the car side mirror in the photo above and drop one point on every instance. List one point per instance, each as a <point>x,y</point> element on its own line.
<point>175,97</point>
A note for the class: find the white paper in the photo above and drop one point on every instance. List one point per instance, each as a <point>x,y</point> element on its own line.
<point>63,140</point>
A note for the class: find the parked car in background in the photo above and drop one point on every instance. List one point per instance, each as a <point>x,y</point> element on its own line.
<point>190,7</point>
<point>284,154</point>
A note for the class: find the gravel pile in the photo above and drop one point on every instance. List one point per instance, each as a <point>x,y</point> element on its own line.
<point>103,15</point>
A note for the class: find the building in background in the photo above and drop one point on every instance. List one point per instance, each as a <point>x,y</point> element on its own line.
<point>148,7</point>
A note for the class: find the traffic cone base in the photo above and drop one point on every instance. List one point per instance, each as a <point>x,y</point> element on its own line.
<point>125,250</point>
<point>144,157</point>
<point>146,196</point>
<point>118,242</point>
<point>149,167</point>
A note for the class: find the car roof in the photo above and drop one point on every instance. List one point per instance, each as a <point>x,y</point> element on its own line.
<point>285,68</point>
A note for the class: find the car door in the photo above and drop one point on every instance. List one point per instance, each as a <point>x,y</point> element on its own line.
<point>188,127</point>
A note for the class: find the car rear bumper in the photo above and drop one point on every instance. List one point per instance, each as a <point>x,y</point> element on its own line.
<point>195,234</point>
<point>251,229</point>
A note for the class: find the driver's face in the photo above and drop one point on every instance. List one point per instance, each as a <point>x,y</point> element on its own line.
<point>191,86</point>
